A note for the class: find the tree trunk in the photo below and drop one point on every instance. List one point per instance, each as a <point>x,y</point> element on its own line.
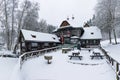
<point>115,36</point>
<point>110,36</point>
<point>12,40</point>
<point>20,26</point>
<point>6,26</point>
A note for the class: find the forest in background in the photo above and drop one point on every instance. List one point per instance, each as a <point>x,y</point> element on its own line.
<point>15,15</point>
<point>107,18</point>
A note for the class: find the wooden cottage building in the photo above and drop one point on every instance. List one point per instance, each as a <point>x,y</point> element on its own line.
<point>31,40</point>
<point>68,32</point>
<point>91,37</point>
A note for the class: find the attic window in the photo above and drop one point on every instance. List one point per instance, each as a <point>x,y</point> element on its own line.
<point>92,33</point>
<point>53,38</point>
<point>34,36</point>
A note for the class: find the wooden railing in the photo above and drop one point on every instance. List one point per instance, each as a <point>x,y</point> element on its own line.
<point>28,55</point>
<point>113,63</point>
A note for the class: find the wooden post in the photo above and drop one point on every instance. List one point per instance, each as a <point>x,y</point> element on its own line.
<point>112,62</point>
<point>117,69</point>
<point>109,59</point>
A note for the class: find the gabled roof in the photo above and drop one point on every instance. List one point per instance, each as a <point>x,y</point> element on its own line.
<point>64,23</point>
<point>91,32</point>
<point>73,23</point>
<point>39,36</point>
<point>68,24</point>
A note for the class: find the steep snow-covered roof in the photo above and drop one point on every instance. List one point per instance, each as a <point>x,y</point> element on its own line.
<point>39,36</point>
<point>68,24</point>
<point>91,32</point>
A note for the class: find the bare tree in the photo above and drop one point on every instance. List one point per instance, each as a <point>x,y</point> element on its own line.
<point>42,26</point>
<point>31,19</point>
<point>27,12</point>
<point>105,15</point>
<point>6,24</point>
<point>50,28</point>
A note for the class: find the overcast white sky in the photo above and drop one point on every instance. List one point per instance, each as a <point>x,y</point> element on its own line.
<point>55,11</point>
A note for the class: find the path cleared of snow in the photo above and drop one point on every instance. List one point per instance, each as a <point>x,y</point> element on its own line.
<point>64,69</point>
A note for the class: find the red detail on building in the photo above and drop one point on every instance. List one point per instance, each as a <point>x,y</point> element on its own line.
<point>62,39</point>
<point>68,32</point>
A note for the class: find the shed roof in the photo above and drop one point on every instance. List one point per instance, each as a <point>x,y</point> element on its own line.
<point>39,36</point>
<point>91,32</point>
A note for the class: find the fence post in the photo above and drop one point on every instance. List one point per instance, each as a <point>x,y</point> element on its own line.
<point>117,70</point>
<point>112,61</point>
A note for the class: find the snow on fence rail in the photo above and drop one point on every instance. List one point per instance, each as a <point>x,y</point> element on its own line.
<point>113,63</point>
<point>28,55</point>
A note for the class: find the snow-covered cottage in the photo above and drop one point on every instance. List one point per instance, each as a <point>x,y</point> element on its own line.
<point>31,40</point>
<point>91,36</point>
<point>69,32</point>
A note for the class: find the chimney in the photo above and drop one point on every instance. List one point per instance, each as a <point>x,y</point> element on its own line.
<point>73,17</point>
<point>67,18</point>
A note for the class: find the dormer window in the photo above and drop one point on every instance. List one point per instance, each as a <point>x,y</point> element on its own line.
<point>92,33</point>
<point>34,36</point>
<point>53,38</point>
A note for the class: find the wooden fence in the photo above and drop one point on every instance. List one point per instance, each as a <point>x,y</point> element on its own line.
<point>113,63</point>
<point>28,55</point>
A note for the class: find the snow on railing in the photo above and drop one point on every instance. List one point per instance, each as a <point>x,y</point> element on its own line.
<point>33,54</point>
<point>113,63</point>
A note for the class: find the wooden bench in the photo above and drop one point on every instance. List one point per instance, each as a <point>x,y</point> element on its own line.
<point>71,56</point>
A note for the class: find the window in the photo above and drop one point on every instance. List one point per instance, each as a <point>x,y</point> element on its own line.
<point>87,41</point>
<point>95,42</point>
<point>46,44</point>
<point>53,38</point>
<point>54,44</point>
<point>34,36</point>
<point>83,42</point>
<point>34,44</point>
<point>92,33</point>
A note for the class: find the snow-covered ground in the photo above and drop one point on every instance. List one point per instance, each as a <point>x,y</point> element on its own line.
<point>6,67</point>
<point>112,49</point>
<point>62,68</point>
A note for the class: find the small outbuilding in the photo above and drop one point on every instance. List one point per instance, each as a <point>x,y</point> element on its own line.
<point>31,40</point>
<point>91,37</point>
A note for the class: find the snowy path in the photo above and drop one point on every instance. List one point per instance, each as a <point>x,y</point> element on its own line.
<point>64,69</point>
